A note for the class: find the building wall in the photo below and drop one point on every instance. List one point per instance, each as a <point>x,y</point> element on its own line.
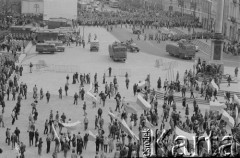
<point>206,12</point>
<point>32,6</point>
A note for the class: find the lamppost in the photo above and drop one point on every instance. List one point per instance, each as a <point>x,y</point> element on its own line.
<point>217,42</point>
<point>209,4</point>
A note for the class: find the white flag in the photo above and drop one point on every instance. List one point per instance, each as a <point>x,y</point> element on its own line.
<point>71,126</point>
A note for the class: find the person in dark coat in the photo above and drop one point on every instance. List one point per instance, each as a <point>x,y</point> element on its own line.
<point>79,146</point>
<point>134,89</point>
<point>66,147</point>
<point>36,134</point>
<point>97,143</point>
<point>159,83</point>
<point>48,96</point>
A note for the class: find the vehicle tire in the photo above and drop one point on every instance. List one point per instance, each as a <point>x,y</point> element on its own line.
<point>190,58</point>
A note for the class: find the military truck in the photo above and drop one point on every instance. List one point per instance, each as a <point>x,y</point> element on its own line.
<point>184,50</point>
<point>94,45</point>
<point>118,51</point>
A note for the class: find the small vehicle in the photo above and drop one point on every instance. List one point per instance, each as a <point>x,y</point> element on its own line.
<point>182,50</point>
<point>132,47</point>
<point>46,48</point>
<point>94,45</point>
<point>136,31</point>
<point>58,44</point>
<point>118,51</point>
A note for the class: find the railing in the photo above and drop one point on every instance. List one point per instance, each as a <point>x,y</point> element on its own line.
<point>72,69</point>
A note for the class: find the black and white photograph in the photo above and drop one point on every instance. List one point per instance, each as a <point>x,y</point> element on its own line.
<point>119,78</point>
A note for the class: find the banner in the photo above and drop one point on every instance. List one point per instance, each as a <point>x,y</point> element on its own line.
<point>92,96</point>
<point>143,103</point>
<point>214,85</point>
<point>71,126</point>
<point>142,84</point>
<point>90,88</point>
<point>229,119</point>
<point>130,109</point>
<point>55,133</point>
<point>126,129</point>
<point>91,137</point>
<point>216,106</point>
<point>236,100</point>
<point>237,119</point>
<point>148,124</point>
<point>114,116</point>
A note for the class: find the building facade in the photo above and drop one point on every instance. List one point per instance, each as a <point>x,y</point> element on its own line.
<point>206,10</point>
<point>32,6</point>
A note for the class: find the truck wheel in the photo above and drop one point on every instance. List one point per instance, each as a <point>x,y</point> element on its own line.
<point>190,58</point>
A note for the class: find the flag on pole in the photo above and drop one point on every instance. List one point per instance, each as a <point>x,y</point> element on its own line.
<point>92,96</point>
<point>71,126</point>
<point>143,103</point>
<point>126,129</point>
<point>55,133</point>
<point>130,109</point>
<point>91,137</point>
<point>226,117</point>
<point>237,119</point>
<point>90,87</point>
<point>113,116</point>
<point>214,85</point>
<point>215,105</point>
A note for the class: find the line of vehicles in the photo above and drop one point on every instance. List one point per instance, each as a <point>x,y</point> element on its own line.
<point>51,41</point>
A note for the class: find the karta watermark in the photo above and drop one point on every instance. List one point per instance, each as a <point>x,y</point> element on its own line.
<point>152,141</point>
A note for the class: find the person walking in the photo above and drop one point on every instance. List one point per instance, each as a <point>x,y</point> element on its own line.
<point>48,96</point>
<point>85,123</point>
<point>85,140</point>
<point>229,80</point>
<point>236,72</point>
<point>40,147</point>
<point>60,93</point>
<point>109,71</point>
<point>41,94</point>
<point>1,120</point>
<point>31,66</point>
<point>66,147</point>
<point>66,89</point>
<point>36,135</point>
<point>48,140</point>
<point>75,99</point>
<point>127,82</point>
<point>31,136</point>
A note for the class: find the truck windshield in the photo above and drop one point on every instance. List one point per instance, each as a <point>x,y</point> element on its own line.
<point>189,47</point>
<point>120,49</point>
